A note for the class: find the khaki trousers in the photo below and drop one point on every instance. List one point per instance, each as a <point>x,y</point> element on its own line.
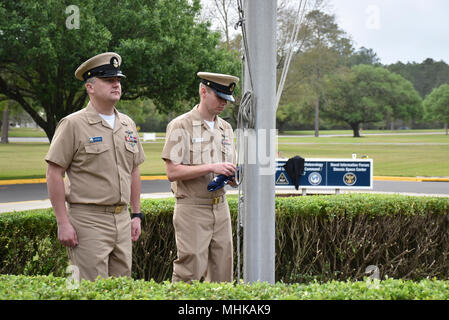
<point>104,241</point>
<point>204,241</point>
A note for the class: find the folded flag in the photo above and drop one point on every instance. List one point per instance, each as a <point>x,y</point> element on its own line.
<point>219,182</point>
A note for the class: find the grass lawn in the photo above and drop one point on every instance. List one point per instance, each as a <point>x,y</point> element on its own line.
<point>406,161</point>
<point>393,155</point>
<point>23,160</point>
<point>371,139</point>
<point>362,132</point>
<point>26,132</point>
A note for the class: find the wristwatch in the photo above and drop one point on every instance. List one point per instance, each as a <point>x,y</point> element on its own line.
<point>137,215</point>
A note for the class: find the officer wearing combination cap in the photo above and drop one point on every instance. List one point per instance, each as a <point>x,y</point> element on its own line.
<point>198,147</point>
<point>99,152</point>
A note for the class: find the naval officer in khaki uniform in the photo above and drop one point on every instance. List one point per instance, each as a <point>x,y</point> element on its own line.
<point>198,147</point>
<point>99,152</point>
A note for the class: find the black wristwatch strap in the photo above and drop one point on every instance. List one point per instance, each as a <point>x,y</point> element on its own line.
<point>137,215</point>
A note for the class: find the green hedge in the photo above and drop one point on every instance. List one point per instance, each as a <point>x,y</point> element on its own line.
<point>317,238</point>
<point>29,244</point>
<point>54,288</point>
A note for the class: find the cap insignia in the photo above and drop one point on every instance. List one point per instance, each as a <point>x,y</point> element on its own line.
<point>114,62</point>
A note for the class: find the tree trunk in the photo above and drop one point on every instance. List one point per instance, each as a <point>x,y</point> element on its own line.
<point>280,127</point>
<point>446,128</point>
<point>50,126</point>
<point>356,129</point>
<point>5,125</point>
<point>317,117</point>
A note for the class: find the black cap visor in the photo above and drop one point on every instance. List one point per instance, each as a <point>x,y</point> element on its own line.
<point>104,71</point>
<point>224,92</point>
<point>112,75</point>
<point>224,96</point>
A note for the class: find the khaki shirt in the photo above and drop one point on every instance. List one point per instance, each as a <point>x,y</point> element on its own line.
<point>190,141</point>
<point>98,159</point>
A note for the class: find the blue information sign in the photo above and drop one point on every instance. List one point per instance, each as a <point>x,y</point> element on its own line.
<point>329,173</point>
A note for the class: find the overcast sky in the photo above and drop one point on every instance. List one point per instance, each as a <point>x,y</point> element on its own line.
<point>397,30</point>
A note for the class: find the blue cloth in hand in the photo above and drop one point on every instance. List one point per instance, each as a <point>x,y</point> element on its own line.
<point>219,182</point>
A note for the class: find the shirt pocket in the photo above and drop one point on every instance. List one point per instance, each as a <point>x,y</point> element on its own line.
<point>96,148</point>
<point>203,153</point>
<point>130,154</point>
<point>131,148</point>
<point>226,153</point>
<point>96,157</point>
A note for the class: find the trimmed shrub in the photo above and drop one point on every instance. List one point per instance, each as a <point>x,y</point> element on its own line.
<point>54,288</point>
<point>338,237</point>
<point>319,238</point>
<point>29,244</point>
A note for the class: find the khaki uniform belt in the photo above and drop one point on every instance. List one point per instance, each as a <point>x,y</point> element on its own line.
<point>111,209</point>
<point>210,201</point>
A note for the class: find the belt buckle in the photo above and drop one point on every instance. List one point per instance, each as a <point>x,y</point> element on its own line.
<point>118,209</point>
<point>216,200</point>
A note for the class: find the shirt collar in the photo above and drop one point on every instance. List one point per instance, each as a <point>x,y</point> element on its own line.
<point>198,119</point>
<point>93,116</point>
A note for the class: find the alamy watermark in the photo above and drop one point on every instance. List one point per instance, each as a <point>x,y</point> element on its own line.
<point>373,17</point>
<point>73,20</point>
<point>73,280</point>
<point>373,281</point>
<point>202,146</point>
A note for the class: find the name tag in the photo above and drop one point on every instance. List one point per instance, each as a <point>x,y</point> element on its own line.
<point>95,139</point>
<point>196,140</point>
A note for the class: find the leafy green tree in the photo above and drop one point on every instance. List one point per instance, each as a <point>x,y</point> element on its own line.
<point>364,56</point>
<point>436,105</point>
<point>225,15</point>
<point>425,76</point>
<point>155,120</point>
<point>162,44</point>
<point>286,113</point>
<point>403,101</point>
<point>9,111</point>
<point>325,48</point>
<point>298,109</point>
<point>367,94</point>
<point>138,109</point>
<point>4,122</point>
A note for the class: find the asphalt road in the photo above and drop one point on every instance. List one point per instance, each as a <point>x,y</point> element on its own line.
<point>38,191</point>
